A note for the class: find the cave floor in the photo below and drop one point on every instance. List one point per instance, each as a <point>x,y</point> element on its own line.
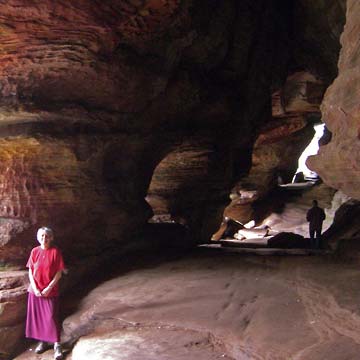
<point>215,304</point>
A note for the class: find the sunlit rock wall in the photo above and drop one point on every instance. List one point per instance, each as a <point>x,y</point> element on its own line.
<point>62,183</point>
<point>338,162</point>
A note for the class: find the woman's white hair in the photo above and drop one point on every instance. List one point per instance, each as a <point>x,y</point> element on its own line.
<point>46,230</point>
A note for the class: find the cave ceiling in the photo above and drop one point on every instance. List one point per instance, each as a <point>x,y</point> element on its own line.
<point>95,94</point>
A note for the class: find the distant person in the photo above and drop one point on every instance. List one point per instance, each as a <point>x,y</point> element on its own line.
<point>315,216</point>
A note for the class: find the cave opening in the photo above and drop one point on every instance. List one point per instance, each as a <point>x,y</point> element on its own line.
<point>303,172</point>
<point>264,210</point>
<point>187,188</point>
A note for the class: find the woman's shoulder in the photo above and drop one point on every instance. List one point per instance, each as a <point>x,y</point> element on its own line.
<point>34,253</point>
<point>36,249</point>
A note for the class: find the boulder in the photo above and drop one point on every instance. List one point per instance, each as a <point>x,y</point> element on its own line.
<point>288,240</point>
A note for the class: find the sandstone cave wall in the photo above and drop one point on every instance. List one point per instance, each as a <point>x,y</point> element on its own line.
<point>96,94</point>
<point>338,161</point>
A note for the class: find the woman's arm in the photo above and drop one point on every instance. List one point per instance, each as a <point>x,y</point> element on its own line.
<point>52,283</point>
<point>37,292</point>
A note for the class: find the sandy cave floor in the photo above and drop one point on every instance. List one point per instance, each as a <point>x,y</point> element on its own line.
<point>219,304</point>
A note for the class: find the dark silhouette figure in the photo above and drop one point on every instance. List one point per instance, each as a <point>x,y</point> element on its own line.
<point>315,216</point>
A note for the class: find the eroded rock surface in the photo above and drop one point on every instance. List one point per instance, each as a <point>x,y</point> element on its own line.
<point>13,294</point>
<point>115,88</point>
<point>100,93</point>
<point>97,96</point>
<point>213,304</point>
<point>341,113</point>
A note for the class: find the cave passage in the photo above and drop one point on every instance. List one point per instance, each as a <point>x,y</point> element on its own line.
<point>312,149</point>
<point>119,116</point>
<point>283,225</point>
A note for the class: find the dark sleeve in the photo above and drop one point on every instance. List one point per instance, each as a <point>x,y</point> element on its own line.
<point>323,215</point>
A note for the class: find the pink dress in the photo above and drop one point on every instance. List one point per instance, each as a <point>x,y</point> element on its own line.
<point>42,321</point>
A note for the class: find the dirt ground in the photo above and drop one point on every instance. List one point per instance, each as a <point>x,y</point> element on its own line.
<point>220,304</point>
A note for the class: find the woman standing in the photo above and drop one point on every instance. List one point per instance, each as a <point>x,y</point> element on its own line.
<point>45,269</point>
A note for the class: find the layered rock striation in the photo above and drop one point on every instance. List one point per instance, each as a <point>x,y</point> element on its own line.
<point>107,103</point>
<point>96,94</point>
<point>338,161</point>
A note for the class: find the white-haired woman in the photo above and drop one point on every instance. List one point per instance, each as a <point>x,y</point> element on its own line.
<point>45,269</point>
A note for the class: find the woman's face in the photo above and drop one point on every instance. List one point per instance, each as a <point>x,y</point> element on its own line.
<point>45,240</point>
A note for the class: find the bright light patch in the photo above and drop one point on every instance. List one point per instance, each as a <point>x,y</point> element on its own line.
<point>311,149</point>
